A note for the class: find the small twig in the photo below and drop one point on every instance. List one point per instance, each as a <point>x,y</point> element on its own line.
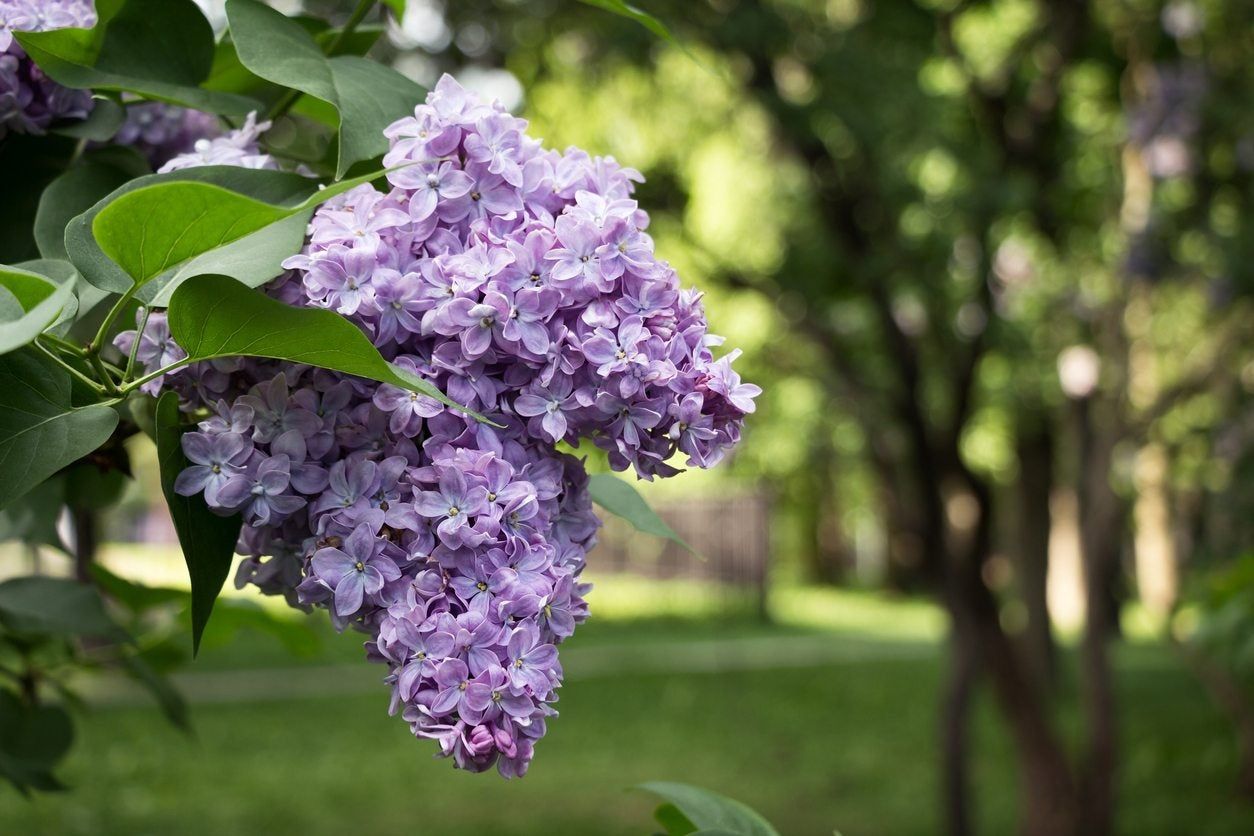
<point>140,381</point>
<point>95,387</point>
<point>139,335</point>
<point>98,341</point>
<point>110,385</point>
<point>284,104</point>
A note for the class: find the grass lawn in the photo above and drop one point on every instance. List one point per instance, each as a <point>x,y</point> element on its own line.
<point>845,744</point>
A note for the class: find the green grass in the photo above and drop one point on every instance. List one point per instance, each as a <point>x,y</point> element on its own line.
<point>848,746</point>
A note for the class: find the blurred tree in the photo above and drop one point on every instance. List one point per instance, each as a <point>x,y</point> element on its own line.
<point>1004,248</point>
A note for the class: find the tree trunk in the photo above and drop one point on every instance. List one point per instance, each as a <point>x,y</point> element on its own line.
<point>86,541</point>
<point>955,734</point>
<point>1048,790</point>
<point>1101,534</point>
<point>1034,487</point>
<point>825,548</point>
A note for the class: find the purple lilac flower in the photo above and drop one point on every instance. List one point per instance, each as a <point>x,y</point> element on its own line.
<point>520,281</point>
<point>238,147</point>
<point>357,571</point>
<point>260,493</point>
<point>454,503</point>
<point>216,458</point>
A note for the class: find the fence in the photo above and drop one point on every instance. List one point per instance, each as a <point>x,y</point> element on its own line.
<point>730,535</point>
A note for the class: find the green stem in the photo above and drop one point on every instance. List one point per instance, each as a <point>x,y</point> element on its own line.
<point>289,98</point>
<point>64,345</point>
<point>110,385</point>
<point>98,340</point>
<point>79,148</point>
<point>140,381</point>
<point>130,360</point>
<point>95,387</point>
<point>358,15</point>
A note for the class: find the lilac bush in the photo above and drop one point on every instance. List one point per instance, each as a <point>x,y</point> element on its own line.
<point>522,282</point>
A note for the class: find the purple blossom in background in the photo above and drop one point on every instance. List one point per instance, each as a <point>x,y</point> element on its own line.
<point>161,131</point>
<point>520,281</point>
<point>30,102</point>
<point>238,147</point>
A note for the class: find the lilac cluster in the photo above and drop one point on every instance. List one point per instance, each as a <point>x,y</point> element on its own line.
<point>238,147</point>
<point>521,282</point>
<point>162,131</point>
<point>30,101</point>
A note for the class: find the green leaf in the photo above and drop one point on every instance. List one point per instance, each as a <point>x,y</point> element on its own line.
<point>40,429</point>
<point>627,10</point>
<point>623,500</point>
<point>673,822</point>
<point>157,49</point>
<point>41,304</point>
<point>207,540</point>
<point>264,185</point>
<point>147,231</point>
<point>60,273</point>
<point>152,229</point>
<point>57,606</point>
<point>136,597</point>
<point>168,698</point>
<point>11,309</point>
<point>106,116</point>
<point>215,316</point>
<point>367,96</point>
<point>74,192</point>
<point>234,615</point>
<point>32,520</point>
<point>33,740</point>
<point>710,812</point>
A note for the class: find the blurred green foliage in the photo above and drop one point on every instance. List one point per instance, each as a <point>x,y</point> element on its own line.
<point>1014,177</point>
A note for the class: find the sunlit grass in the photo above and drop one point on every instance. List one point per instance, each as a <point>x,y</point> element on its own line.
<point>844,741</point>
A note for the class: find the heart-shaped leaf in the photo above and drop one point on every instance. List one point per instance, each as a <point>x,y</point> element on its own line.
<point>56,606</point>
<point>168,698</point>
<point>707,811</point>
<point>367,96</point>
<point>158,49</point>
<point>41,431</point>
<point>32,520</point>
<point>215,316</point>
<point>107,115</point>
<point>97,174</point>
<point>627,10</point>
<point>33,739</point>
<point>207,540</point>
<point>157,230</point>
<point>40,302</point>
<point>622,500</point>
